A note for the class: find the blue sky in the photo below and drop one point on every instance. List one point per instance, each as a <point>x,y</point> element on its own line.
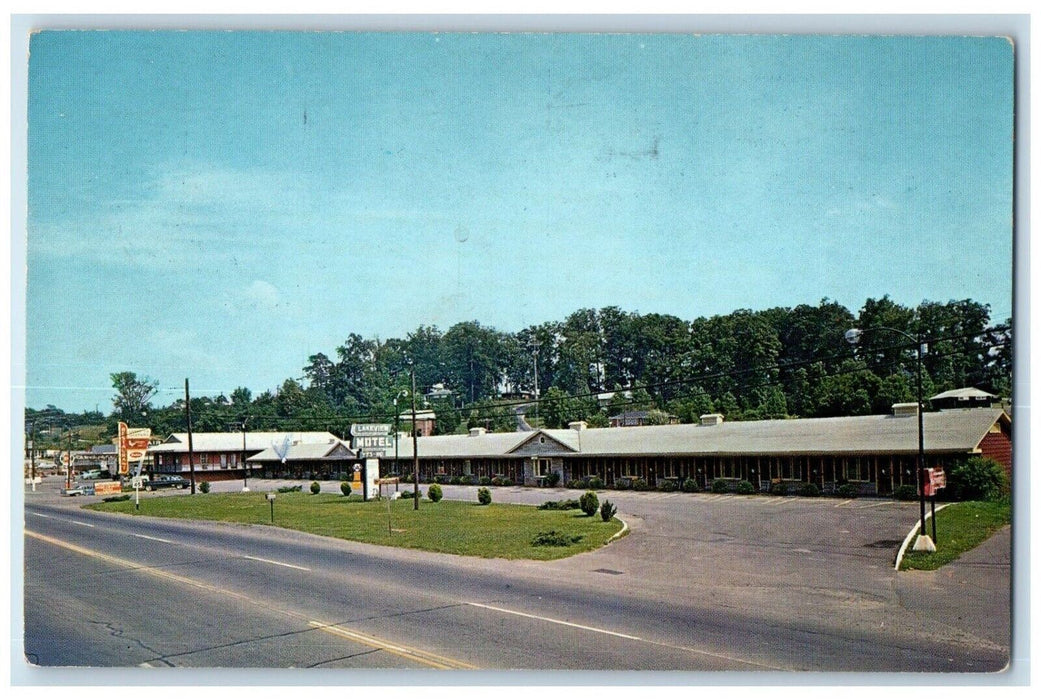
<point>220,205</point>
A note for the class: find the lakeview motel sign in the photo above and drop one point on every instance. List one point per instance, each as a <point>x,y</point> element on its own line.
<point>372,439</point>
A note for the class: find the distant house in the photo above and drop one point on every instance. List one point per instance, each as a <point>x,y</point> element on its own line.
<point>426,421</point>
<point>219,456</point>
<point>968,397</point>
<point>438,392</point>
<point>633,418</point>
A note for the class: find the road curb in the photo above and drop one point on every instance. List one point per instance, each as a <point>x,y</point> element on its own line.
<point>619,534</point>
<point>907,540</point>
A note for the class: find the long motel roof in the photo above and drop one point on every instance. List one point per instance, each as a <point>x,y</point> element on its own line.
<point>949,431</point>
<point>232,442</point>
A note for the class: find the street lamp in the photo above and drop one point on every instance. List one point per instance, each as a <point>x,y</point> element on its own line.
<point>397,432</point>
<point>245,476</point>
<point>924,543</point>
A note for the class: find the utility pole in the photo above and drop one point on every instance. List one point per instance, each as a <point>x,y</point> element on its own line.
<point>535,355</point>
<point>188,415</point>
<point>415,444</point>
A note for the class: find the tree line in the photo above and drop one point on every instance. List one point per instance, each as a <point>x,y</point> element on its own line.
<point>748,365</point>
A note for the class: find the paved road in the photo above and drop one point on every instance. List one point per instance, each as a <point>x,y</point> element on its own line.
<point>703,583</point>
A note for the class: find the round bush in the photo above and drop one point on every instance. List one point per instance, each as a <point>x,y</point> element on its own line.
<point>779,489</point>
<point>315,487</point>
<point>204,486</point>
<point>552,479</point>
<point>905,493</point>
<point>745,488</point>
<point>595,483</point>
<point>809,490</point>
<point>720,486</point>
<point>607,511</point>
<point>689,485</point>
<point>667,485</point>
<point>434,493</point>
<point>345,488</point>
<point>484,496</point>
<point>589,503</point>
<point>641,485</point>
<point>623,484</point>
<point>847,491</point>
<point>485,481</point>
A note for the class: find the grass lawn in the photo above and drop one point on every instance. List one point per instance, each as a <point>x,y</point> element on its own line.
<point>959,528</point>
<point>453,527</point>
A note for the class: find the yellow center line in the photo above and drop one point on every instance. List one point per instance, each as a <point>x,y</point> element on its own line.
<point>418,655</point>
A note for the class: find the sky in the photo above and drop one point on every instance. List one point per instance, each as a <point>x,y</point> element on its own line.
<point>222,205</point>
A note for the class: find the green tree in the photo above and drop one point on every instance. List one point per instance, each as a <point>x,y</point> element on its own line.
<point>133,396</point>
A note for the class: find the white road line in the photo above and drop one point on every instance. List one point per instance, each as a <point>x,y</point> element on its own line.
<point>627,636</point>
<point>40,515</point>
<point>556,622</point>
<point>839,505</point>
<point>79,522</point>
<point>276,563</point>
<point>154,539</point>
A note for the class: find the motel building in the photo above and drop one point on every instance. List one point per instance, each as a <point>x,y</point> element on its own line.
<point>876,453</point>
<point>219,456</point>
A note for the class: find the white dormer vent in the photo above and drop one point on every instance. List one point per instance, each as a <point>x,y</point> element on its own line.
<point>477,432</point>
<point>905,409</point>
<point>712,419</point>
<point>578,425</point>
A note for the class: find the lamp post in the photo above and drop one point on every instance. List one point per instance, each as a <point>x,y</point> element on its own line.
<point>924,543</point>
<point>397,433</point>
<point>415,443</point>
<point>245,475</point>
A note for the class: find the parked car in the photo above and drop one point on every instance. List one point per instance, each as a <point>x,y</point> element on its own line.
<point>167,481</point>
<point>77,490</point>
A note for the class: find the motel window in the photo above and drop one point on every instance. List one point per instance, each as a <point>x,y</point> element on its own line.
<point>858,469</point>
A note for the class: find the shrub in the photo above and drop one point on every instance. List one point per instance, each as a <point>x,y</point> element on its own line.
<point>641,485</point>
<point>779,489</point>
<point>345,488</point>
<point>554,538</point>
<point>589,503</point>
<point>668,485</point>
<point>623,484</point>
<point>594,482</point>
<point>409,494</point>
<point>484,496</point>
<point>315,487</point>
<point>569,504</point>
<point>287,489</point>
<point>204,486</point>
<point>720,486</point>
<point>467,480</point>
<point>113,499</point>
<point>485,481</point>
<point>847,491</point>
<point>745,488</point>
<point>496,481</point>
<point>607,511</point>
<point>574,484</point>
<point>978,479</point>
<point>809,490</point>
<point>434,493</point>
<point>689,485</point>
<point>455,480</point>
<point>552,479</point>
<point>507,481</point>
<point>905,493</point>
<point>441,479</point>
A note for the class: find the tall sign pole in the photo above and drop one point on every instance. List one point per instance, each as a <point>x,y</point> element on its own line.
<point>415,445</point>
<point>188,415</point>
